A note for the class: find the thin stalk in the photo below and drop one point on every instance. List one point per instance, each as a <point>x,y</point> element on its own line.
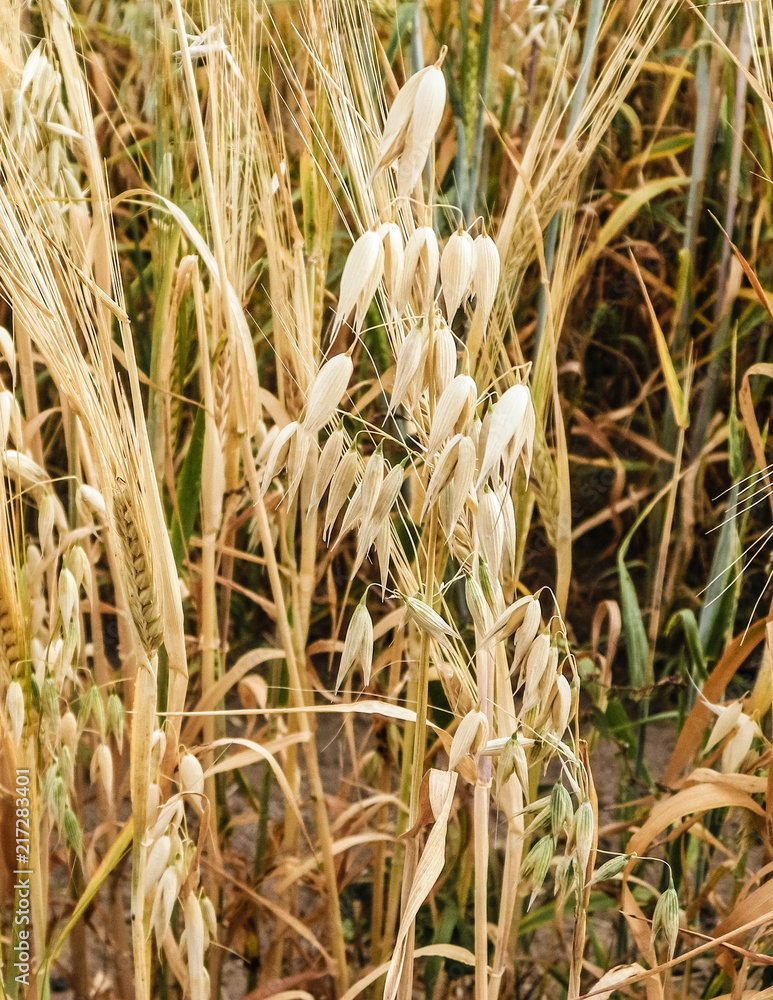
<point>481,838</point>
<point>417,760</point>
<point>211,508</point>
<point>512,800</point>
<point>300,685</point>
<point>490,8</point>
<point>507,903</point>
<point>29,388</point>
<point>143,724</point>
<point>380,931</point>
<point>398,860</point>
<point>657,590</point>
<point>485,666</point>
<point>704,118</point>
<point>379,870</point>
<point>720,339</point>
<point>584,890</point>
<point>595,13</point>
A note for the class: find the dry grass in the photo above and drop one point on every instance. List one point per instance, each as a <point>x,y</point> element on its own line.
<point>352,355</point>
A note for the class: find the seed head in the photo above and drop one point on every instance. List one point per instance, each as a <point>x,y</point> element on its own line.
<point>398,131</point>
<point>464,474</point>
<point>454,410</point>
<point>427,112</point>
<point>444,356</point>
<point>73,836</point>
<point>537,863</point>
<point>561,810</point>
<point>191,775</point>
<point>277,456</point>
<point>168,815</point>
<point>478,606</point>
<point>428,620</point>
<point>456,269</point>
<point>490,530</point>
<point>116,716</point>
<point>527,630</point>
<point>157,749</point>
<point>665,919</point>
<point>68,596</point>
<point>559,706</point>
<point>387,495</point>
<point>485,275</point>
<point>470,737</point>
<point>14,706</point>
<point>163,904</point>
<point>411,359</point>
<point>537,664</point>
<point>510,620</point>
<point>563,880</point>
<point>420,270</point>
<point>372,480</point>
<point>583,835</point>
<point>143,597</point>
<point>93,499</point>
<point>46,517</point>
<point>358,646</point>
<point>327,465</point>
<point>394,255</point>
<point>68,731</point>
<point>210,918</point>
<point>340,485</point>
<point>101,769</point>
<point>507,429</point>
<point>326,392</point>
<point>158,861</point>
<point>611,868</point>
<point>442,473</point>
<point>359,281</point>
<point>55,796</point>
<point>513,762</point>
<point>198,978</point>
<point>92,710</point>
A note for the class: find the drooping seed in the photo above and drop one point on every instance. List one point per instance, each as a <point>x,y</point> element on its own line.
<point>420,270</point>
<point>361,276</point>
<point>456,270</point>
<point>329,386</point>
<point>485,276</point>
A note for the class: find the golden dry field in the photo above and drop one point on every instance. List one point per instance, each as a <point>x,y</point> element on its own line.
<point>385,495</point>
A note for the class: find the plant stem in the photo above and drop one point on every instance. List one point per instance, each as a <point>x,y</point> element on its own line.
<point>417,758</point>
<point>480,833</point>
<point>299,687</point>
<point>719,340</point>
<point>595,12</point>
<point>143,724</point>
